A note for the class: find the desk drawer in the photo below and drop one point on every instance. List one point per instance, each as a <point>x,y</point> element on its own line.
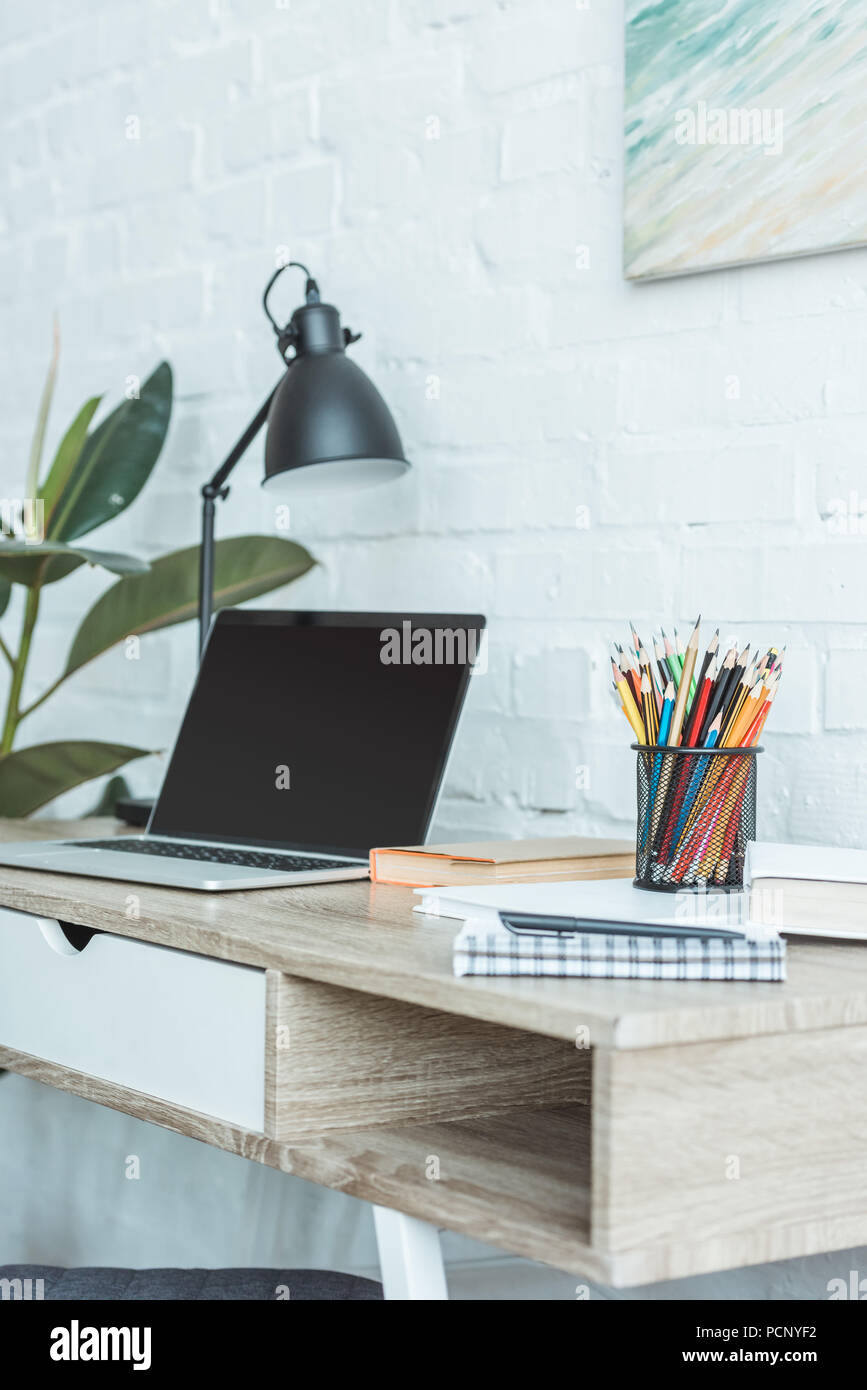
<point>185,1028</point>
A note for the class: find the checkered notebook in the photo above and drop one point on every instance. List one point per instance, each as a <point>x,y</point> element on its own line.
<point>483,948</point>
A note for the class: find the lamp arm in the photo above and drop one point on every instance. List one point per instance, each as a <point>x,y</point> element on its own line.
<point>210,492</point>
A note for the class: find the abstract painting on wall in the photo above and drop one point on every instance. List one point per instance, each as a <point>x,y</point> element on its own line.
<point>745,131</point>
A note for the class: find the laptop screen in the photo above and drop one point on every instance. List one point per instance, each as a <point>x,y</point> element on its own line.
<point>324,732</point>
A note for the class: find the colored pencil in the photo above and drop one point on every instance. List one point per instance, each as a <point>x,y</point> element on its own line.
<point>717,700</point>
<point>671,660</point>
<point>709,656</point>
<point>690,653</point>
<point>736,703</point>
<point>662,665</point>
<point>699,706</point>
<point>650,718</point>
<point>627,699</point>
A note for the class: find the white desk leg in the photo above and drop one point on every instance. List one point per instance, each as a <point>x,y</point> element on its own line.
<point>410,1258</point>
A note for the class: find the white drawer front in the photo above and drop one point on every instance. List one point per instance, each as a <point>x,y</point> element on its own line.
<point>185,1028</point>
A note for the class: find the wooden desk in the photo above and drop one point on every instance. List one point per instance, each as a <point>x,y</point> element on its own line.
<point>627,1131</point>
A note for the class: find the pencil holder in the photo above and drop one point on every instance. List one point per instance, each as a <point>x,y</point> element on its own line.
<point>696,813</point>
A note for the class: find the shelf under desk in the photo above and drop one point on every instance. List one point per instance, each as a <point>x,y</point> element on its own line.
<point>705,1126</point>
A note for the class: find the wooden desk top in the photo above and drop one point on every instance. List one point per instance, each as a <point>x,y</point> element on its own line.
<point>365,936</point>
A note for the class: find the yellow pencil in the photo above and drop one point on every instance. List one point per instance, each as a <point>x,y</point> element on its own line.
<point>651,718</point>
<point>630,709</point>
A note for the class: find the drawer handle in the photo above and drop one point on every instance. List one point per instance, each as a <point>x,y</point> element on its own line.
<point>66,938</point>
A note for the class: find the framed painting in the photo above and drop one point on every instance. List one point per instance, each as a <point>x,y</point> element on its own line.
<point>745,127</point>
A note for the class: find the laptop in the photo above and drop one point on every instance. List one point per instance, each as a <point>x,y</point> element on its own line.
<point>309,738</point>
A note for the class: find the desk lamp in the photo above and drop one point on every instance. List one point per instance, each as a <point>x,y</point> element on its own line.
<point>327,425</point>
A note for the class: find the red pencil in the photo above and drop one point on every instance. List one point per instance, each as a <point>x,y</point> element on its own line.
<point>758,723</point>
<point>696,714</point>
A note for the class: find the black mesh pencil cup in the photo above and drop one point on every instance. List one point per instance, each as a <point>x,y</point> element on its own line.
<point>696,813</point>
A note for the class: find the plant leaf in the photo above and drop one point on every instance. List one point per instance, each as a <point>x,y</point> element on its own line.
<point>21,563</point>
<point>115,461</point>
<point>31,484</point>
<point>33,776</point>
<point>68,452</point>
<point>244,568</point>
<point>5,594</point>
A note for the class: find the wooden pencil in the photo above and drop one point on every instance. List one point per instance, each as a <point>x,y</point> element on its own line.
<point>709,656</point>
<point>735,705</point>
<point>715,704</point>
<point>690,654</point>
<point>659,655</point>
<point>630,709</point>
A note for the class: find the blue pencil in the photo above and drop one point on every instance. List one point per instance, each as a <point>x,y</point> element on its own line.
<point>664,727</point>
<point>713,734</point>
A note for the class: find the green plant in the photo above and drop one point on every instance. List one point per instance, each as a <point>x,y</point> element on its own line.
<point>95,475</point>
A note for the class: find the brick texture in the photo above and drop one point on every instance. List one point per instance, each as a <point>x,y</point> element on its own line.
<point>584,449</point>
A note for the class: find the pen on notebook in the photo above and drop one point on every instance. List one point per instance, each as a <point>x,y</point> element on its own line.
<point>542,924</point>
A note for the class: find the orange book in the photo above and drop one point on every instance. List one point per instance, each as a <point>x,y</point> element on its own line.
<point>503,861</point>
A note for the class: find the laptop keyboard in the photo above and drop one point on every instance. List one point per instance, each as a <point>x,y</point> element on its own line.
<point>247,858</point>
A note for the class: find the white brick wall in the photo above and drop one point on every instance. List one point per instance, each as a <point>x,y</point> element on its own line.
<point>440,165</point>
<point>451,170</point>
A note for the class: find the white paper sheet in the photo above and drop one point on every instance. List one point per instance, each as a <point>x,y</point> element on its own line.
<point>604,900</point>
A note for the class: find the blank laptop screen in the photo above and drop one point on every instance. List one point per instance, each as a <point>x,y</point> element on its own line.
<point>317,731</point>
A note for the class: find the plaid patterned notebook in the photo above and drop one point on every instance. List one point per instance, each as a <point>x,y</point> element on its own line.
<point>482,948</point>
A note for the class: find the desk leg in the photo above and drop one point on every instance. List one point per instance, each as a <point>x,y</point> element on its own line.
<point>410,1259</point>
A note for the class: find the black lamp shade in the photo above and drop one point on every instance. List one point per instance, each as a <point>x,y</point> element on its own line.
<point>326,412</point>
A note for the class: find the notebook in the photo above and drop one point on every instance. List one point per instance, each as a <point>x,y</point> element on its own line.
<point>808,890</point>
<point>503,861</point>
<point>487,948</point>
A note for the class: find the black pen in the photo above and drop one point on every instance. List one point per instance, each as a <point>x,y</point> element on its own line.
<point>542,924</point>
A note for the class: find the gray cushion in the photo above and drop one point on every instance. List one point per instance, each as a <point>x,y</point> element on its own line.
<point>190,1284</point>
